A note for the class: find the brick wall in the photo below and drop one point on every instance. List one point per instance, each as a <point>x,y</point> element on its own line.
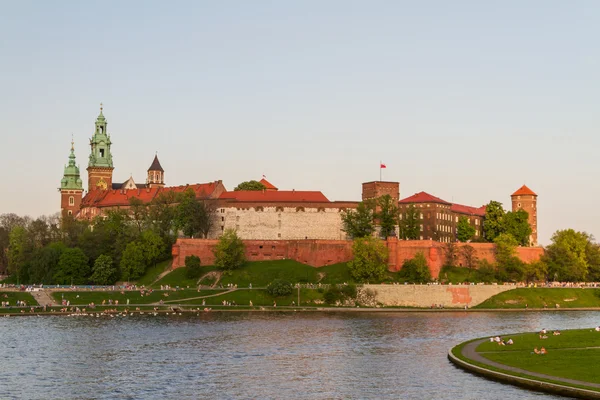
<point>319,253</point>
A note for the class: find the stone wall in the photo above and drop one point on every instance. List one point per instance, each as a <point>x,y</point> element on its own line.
<point>318,253</point>
<point>449,296</point>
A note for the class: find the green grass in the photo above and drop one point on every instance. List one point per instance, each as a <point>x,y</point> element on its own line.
<point>153,272</point>
<point>335,273</point>
<point>540,297</point>
<point>135,297</point>
<point>570,355</point>
<point>457,275</point>
<point>261,273</point>
<point>260,297</point>
<point>12,298</point>
<point>177,278</point>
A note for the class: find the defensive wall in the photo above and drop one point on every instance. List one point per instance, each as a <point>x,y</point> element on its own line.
<point>319,253</point>
<point>448,296</point>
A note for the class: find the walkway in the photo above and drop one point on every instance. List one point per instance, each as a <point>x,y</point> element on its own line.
<point>469,352</point>
<point>44,298</point>
<point>201,297</point>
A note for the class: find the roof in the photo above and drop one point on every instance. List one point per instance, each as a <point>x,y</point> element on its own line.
<point>156,165</point>
<point>114,198</point>
<point>268,185</point>
<point>524,191</point>
<point>117,186</point>
<point>283,196</point>
<point>423,197</point>
<point>468,210</point>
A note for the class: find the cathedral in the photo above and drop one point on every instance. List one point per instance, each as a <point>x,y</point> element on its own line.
<point>270,214</point>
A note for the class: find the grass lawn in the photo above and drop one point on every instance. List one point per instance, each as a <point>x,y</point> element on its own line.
<point>135,297</point>
<point>457,275</point>
<point>260,297</point>
<point>571,355</point>
<point>153,272</point>
<point>538,297</point>
<point>177,278</point>
<point>12,298</point>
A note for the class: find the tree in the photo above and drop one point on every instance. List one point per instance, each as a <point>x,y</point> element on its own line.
<point>72,268</point>
<point>193,268</point>
<point>249,185</point>
<point>152,246</point>
<point>138,211</point>
<point>44,263</point>
<point>517,224</point>
<point>510,267</point>
<point>104,271</point>
<point>230,252</point>
<point>39,233</point>
<point>359,223</point>
<point>469,255</point>
<point>133,262</point>
<point>592,254</point>
<point>194,217</point>
<point>535,271</point>
<point>566,256</point>
<point>279,288</point>
<point>464,229</point>
<point>369,262</point>
<point>416,269</point>
<point>18,249</point>
<point>493,221</point>
<point>451,253</point>
<point>162,215</point>
<point>387,216</point>
<point>4,235</point>
<point>410,224</point>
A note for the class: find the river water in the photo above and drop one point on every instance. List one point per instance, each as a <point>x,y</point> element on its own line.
<point>257,355</point>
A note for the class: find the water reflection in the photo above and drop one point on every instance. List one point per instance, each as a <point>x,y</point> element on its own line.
<point>267,356</point>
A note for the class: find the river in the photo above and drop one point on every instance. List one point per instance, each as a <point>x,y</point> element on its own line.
<point>258,355</point>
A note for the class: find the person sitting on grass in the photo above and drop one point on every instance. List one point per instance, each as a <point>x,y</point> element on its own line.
<point>543,350</point>
<point>536,351</point>
<point>556,333</point>
<point>597,329</point>
<point>543,337</point>
<point>510,341</point>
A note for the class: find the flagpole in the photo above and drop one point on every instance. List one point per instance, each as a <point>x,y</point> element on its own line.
<point>379,170</point>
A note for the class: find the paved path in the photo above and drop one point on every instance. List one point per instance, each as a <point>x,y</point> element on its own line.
<point>43,298</point>
<point>469,352</point>
<point>201,297</point>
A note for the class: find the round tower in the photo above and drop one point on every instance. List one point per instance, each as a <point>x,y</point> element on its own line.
<point>525,199</point>
<point>100,167</point>
<point>156,174</point>
<point>71,187</point>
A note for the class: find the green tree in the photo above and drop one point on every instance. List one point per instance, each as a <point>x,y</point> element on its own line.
<point>279,288</point>
<point>464,229</point>
<point>44,263</point>
<point>193,268</point>
<point>138,212</point>
<point>387,216</point>
<point>410,224</point>
<point>194,217</point>
<point>469,255</point>
<point>133,262</point>
<point>72,268</point>
<point>369,262</point>
<point>493,221</point>
<point>359,223</point>
<point>230,252</point>
<point>4,234</point>
<point>451,252</point>
<point>592,254</point>
<point>517,224</point>
<point>18,249</point>
<point>104,271</point>
<point>535,271</point>
<point>566,256</point>
<point>416,269</point>
<point>509,266</point>
<point>249,185</point>
<point>161,212</point>
<point>153,247</point>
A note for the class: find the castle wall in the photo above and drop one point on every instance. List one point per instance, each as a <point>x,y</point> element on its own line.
<point>318,253</point>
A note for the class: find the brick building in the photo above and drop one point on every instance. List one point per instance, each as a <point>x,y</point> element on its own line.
<point>270,214</point>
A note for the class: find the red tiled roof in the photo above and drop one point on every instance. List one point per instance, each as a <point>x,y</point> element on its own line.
<point>283,196</point>
<point>423,197</point>
<point>267,184</point>
<point>113,198</point>
<point>461,209</point>
<point>524,191</point>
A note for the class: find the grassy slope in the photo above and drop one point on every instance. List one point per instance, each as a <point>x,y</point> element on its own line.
<point>563,358</point>
<point>134,297</point>
<point>537,297</point>
<point>153,272</point>
<point>12,298</point>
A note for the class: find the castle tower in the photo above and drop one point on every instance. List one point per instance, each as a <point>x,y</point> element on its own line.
<point>100,167</point>
<point>156,174</point>
<point>71,187</point>
<point>526,199</point>
<point>376,189</point>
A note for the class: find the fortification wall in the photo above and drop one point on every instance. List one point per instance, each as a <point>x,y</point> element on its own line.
<point>449,296</point>
<point>318,253</point>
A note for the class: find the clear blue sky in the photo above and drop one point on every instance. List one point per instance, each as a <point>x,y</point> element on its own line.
<point>466,100</point>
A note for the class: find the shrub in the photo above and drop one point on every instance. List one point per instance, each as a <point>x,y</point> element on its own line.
<point>230,251</point>
<point>192,267</point>
<point>279,288</point>
<point>333,295</point>
<point>416,269</point>
<point>349,291</point>
<point>370,259</point>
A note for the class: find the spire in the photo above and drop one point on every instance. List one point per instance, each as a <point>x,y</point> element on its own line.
<point>156,165</point>
<point>71,179</point>
<point>100,155</point>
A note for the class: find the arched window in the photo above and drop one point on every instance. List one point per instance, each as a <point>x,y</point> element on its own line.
<point>71,201</point>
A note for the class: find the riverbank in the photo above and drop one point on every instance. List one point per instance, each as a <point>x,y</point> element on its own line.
<point>564,366</point>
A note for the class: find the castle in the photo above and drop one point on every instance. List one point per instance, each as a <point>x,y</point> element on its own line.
<point>270,214</point>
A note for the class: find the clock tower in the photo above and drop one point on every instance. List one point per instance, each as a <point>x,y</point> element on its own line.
<point>100,167</point>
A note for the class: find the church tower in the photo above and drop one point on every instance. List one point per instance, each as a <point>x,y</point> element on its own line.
<point>526,199</point>
<point>71,187</point>
<point>100,166</point>
<point>156,174</point>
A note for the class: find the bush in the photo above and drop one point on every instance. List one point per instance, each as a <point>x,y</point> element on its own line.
<point>349,291</point>
<point>335,294</point>
<point>279,288</point>
<point>370,259</point>
<point>192,267</point>
<point>416,269</point>
<point>230,251</point>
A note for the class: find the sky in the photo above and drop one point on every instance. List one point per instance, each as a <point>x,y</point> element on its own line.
<point>466,100</point>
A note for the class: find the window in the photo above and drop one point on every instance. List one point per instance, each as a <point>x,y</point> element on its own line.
<point>299,209</point>
<point>101,153</point>
<point>421,215</point>
<point>279,209</point>
<point>519,205</point>
<point>258,209</point>
<point>222,218</point>
<point>71,201</point>
<point>222,210</point>
<point>70,212</point>
<point>279,235</point>
<point>476,222</point>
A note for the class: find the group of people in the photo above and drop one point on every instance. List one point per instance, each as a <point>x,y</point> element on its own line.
<point>501,342</point>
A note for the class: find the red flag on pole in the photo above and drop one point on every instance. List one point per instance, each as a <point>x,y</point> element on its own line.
<point>382,165</point>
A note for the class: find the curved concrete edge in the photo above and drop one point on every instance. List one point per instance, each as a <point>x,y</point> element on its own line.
<point>524,382</point>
